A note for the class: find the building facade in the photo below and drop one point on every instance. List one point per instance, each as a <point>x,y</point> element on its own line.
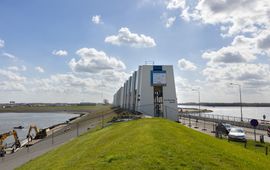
<point>151,91</point>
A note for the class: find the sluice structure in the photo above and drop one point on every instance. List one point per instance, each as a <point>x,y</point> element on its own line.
<point>151,91</point>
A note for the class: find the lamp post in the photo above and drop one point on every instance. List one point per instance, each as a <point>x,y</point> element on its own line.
<point>240,94</point>
<point>199,99</point>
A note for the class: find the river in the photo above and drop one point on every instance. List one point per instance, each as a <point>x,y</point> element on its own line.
<point>41,120</point>
<point>248,112</point>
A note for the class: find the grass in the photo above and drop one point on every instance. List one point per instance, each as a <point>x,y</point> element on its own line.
<point>148,144</point>
<point>254,146</point>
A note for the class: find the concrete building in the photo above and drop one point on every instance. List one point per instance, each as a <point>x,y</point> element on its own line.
<point>151,91</point>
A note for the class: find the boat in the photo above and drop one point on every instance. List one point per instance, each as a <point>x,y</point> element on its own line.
<point>18,127</point>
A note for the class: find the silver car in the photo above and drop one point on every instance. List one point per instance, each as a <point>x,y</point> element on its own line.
<point>237,134</point>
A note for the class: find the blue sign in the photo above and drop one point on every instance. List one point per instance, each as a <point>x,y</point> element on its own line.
<point>254,122</point>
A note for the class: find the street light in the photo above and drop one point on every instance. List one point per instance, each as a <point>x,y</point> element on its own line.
<point>240,92</point>
<point>199,99</point>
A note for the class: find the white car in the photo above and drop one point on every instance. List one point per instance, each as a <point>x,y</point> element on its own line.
<point>237,133</point>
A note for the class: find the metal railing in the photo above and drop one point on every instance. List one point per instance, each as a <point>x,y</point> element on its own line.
<point>225,118</point>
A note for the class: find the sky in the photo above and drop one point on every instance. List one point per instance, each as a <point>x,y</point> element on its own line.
<point>83,51</point>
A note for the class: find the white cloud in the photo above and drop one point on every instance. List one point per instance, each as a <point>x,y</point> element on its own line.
<point>229,54</point>
<point>39,69</point>
<point>2,43</point>
<point>170,22</point>
<point>13,68</point>
<point>97,19</point>
<point>175,4</point>
<point>11,76</point>
<point>10,56</point>
<point>263,42</point>
<point>242,16</point>
<point>94,73</point>
<point>247,21</point>
<point>245,73</point>
<point>125,37</point>
<point>62,83</point>
<point>184,64</point>
<point>60,52</point>
<point>254,79</point>
<point>143,3</point>
<point>10,81</point>
<point>93,61</point>
<point>91,87</point>
<point>16,68</point>
<point>23,68</point>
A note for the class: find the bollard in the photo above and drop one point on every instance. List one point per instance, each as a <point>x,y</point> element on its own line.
<point>52,136</point>
<point>204,129</point>
<point>102,121</point>
<point>245,144</point>
<point>189,124</point>
<point>28,144</point>
<point>166,111</point>
<point>77,129</point>
<point>213,131</point>
<point>261,138</point>
<point>196,125</point>
<point>184,120</point>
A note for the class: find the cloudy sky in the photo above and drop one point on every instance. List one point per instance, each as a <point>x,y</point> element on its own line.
<point>81,50</point>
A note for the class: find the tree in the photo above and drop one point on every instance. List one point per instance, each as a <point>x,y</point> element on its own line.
<point>105,101</point>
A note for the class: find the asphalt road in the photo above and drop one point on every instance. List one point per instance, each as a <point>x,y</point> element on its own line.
<point>11,161</point>
<point>208,127</point>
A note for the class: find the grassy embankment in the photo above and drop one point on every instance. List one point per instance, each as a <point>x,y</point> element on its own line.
<point>149,144</point>
<point>72,108</point>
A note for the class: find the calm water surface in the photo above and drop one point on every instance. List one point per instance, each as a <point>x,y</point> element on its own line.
<point>41,120</point>
<point>248,112</point>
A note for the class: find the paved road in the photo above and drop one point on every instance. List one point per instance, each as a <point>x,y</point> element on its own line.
<point>58,138</point>
<point>208,127</point>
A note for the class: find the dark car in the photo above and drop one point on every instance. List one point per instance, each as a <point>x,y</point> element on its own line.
<point>223,128</point>
<point>228,127</point>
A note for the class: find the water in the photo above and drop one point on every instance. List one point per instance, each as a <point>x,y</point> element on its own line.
<point>248,112</point>
<point>41,120</point>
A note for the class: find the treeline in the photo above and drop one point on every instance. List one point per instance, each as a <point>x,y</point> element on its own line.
<point>228,104</point>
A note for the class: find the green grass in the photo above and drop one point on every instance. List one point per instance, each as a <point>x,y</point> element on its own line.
<point>149,144</point>
<point>254,146</point>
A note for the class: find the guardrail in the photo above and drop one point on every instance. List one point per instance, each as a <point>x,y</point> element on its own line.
<point>263,125</point>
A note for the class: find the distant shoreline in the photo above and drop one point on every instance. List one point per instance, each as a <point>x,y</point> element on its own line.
<point>193,110</point>
<point>227,104</point>
<point>41,109</point>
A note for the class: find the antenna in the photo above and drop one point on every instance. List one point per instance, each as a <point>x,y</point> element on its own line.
<point>149,62</point>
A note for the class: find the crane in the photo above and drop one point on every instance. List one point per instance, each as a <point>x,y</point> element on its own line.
<point>3,136</point>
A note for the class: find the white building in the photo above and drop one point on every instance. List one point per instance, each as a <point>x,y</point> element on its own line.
<point>151,91</point>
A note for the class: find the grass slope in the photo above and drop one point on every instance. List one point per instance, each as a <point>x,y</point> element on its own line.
<point>149,144</point>
<point>72,108</point>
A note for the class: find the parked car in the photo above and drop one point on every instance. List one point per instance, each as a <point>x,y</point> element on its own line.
<point>237,134</point>
<point>227,126</point>
<point>223,128</point>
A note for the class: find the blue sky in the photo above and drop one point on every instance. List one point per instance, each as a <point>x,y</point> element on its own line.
<point>72,51</point>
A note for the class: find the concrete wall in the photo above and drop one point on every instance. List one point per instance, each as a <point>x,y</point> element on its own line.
<point>169,95</point>
<point>146,104</point>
